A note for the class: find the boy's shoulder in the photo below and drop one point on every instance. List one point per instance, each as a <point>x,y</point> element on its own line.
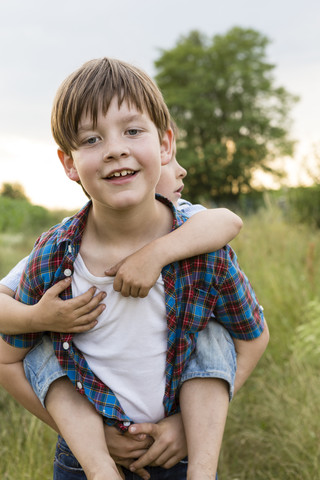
<point>53,244</point>
<point>68,230</point>
<point>53,252</point>
<point>208,270</point>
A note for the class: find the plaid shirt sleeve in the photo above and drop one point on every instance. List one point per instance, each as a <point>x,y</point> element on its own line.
<point>237,307</point>
<point>29,291</point>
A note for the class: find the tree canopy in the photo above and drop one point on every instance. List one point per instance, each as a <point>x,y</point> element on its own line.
<point>14,191</point>
<point>232,117</point>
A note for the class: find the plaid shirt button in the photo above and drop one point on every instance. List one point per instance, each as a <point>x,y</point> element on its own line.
<point>67,272</point>
<point>79,385</point>
<point>65,345</point>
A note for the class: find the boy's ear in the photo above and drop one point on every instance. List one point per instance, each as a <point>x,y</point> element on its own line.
<point>68,165</point>
<point>166,147</point>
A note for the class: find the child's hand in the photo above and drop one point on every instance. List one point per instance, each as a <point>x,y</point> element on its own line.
<point>169,445</point>
<point>136,274</point>
<point>125,447</point>
<point>76,315</point>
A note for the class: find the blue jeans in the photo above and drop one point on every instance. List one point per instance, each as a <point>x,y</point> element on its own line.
<point>42,368</point>
<point>214,357</point>
<point>66,467</point>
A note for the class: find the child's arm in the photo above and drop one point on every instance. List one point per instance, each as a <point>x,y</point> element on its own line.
<point>204,232</point>
<point>249,353</point>
<point>13,379</point>
<point>77,419</point>
<point>51,313</point>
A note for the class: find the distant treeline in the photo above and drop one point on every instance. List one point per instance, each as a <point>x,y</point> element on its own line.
<point>301,204</point>
<point>305,204</point>
<point>20,216</point>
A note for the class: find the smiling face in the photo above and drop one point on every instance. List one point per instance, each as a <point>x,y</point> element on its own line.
<point>118,159</point>
<point>171,184</point>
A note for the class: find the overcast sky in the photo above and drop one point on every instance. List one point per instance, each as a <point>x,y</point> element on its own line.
<point>43,41</point>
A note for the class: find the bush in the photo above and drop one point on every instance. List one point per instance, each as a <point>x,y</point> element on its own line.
<point>20,216</point>
<point>304,204</point>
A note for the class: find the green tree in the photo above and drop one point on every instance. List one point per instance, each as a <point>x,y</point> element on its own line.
<point>14,191</point>
<point>232,117</point>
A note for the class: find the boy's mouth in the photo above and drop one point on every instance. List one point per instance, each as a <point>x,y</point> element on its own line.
<point>121,173</point>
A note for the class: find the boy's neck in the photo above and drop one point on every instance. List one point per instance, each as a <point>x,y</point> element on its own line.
<point>112,235</point>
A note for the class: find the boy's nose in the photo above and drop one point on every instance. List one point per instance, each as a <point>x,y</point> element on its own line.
<point>182,172</point>
<point>114,150</point>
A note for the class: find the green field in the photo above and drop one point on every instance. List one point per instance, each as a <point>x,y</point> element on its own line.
<point>273,428</point>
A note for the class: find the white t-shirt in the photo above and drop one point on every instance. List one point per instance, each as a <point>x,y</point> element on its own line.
<point>127,348</point>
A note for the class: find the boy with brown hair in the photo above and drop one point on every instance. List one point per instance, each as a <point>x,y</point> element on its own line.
<point>112,128</point>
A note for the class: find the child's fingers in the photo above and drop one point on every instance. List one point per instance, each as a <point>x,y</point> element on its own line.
<point>146,429</point>
<point>143,292</point>
<point>82,325</point>
<point>151,431</point>
<point>130,289</point>
<point>141,472</point>
<point>85,322</point>
<point>83,318</point>
<point>166,459</point>
<point>125,289</point>
<point>87,303</point>
<point>83,299</point>
<point>134,291</point>
<point>163,452</point>
<point>59,287</point>
<point>112,271</point>
<point>147,459</point>
<point>117,284</point>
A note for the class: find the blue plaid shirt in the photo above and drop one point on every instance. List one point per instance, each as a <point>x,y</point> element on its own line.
<point>195,289</point>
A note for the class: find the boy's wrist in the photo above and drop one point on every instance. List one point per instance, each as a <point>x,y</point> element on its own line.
<point>160,250</point>
<point>34,319</point>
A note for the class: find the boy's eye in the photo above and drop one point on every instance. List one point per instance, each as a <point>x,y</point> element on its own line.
<point>133,131</point>
<point>92,140</point>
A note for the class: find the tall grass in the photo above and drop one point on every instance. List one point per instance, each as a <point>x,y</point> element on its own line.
<point>26,445</point>
<point>273,428</point>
